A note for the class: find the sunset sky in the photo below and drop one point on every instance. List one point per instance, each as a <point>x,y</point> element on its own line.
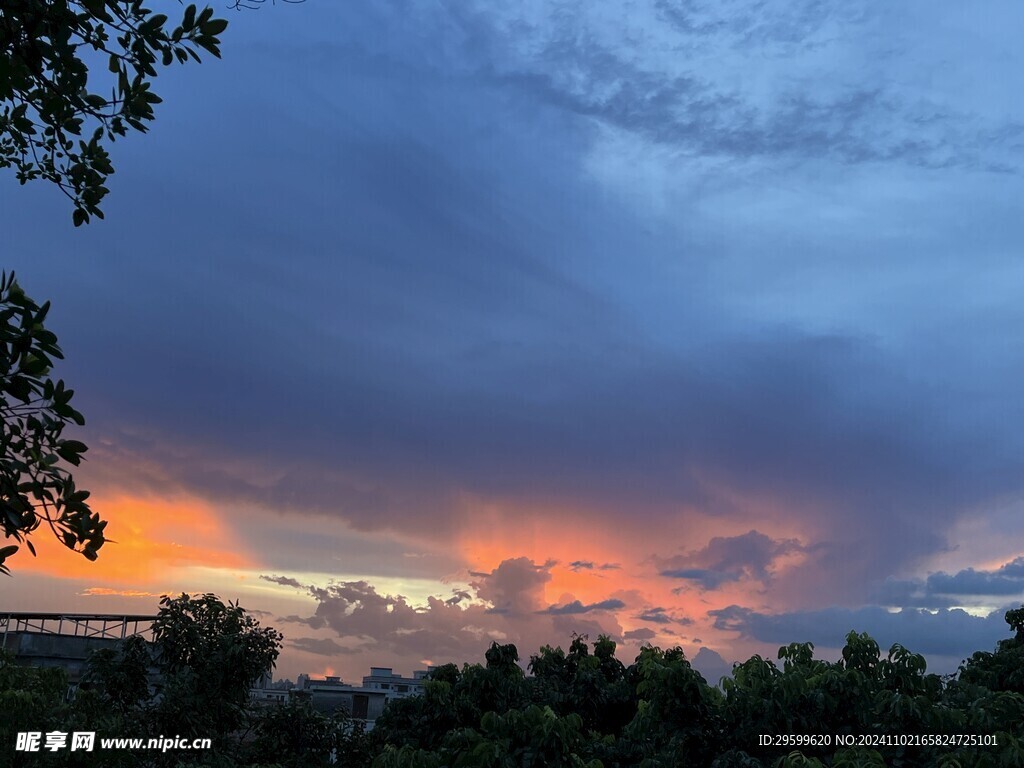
<point>416,325</point>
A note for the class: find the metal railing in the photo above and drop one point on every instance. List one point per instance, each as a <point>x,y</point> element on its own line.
<point>108,626</point>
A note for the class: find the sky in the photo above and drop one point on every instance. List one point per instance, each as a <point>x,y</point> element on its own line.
<point>418,325</point>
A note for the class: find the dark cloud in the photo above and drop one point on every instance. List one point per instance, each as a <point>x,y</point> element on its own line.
<point>947,632</point>
<point>708,579</point>
<point>458,595</point>
<point>284,581</point>
<point>453,344</point>
<point>440,284</point>
<point>589,565</point>
<point>908,593</point>
<point>660,615</point>
<point>711,665</point>
<point>314,622</point>
<point>642,634</point>
<point>729,558</point>
<point>321,646</point>
<point>946,590</point>
<point>575,607</point>
<point>1006,580</point>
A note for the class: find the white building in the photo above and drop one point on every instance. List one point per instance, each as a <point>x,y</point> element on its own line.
<point>395,686</point>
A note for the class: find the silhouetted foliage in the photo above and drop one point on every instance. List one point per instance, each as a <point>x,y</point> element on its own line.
<point>577,709</point>
<point>209,654</point>
<point>84,68</point>
<point>35,484</point>
<point>660,713</point>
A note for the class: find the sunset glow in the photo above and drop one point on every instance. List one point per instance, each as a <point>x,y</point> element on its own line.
<point>688,324</point>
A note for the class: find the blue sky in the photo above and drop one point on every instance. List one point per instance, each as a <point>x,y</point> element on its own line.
<point>723,295</point>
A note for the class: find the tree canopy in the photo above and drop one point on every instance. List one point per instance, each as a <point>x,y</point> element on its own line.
<point>77,74</point>
<point>36,485</point>
<point>580,708</point>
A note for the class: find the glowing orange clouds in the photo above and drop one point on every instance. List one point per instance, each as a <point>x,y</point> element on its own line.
<point>108,592</point>
<point>592,558</point>
<point>154,537</point>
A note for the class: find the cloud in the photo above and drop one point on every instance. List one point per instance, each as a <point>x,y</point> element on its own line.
<point>695,266</point>
<point>947,632</point>
<point>107,591</point>
<point>661,615</point>
<point>284,581</point>
<point>642,634</point>
<point>729,558</point>
<point>576,607</point>
<point>705,110</point>
<point>711,665</point>
<point>908,593</point>
<point>458,595</point>
<point>507,605</point>
<point>516,586</point>
<point>943,590</point>
<point>494,303</point>
<point>321,646</point>
<point>1006,580</point>
<point>588,565</point>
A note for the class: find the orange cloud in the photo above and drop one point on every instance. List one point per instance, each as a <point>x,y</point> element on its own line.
<point>567,535</point>
<point>154,537</point>
<point>107,592</point>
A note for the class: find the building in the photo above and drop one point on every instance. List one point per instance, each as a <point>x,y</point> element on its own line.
<point>266,691</point>
<point>331,694</point>
<point>363,702</point>
<point>395,686</point>
<point>65,640</point>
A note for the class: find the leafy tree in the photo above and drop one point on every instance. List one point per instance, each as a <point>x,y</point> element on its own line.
<point>494,717</point>
<point>35,484</point>
<point>114,699</point>
<point>591,686</point>
<point>121,674</point>
<point>31,699</point>
<point>1004,669</point>
<point>75,74</point>
<point>294,735</point>
<point>193,681</point>
<point>209,655</point>
<point>677,719</point>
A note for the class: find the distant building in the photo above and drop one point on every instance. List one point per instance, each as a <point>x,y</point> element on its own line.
<point>331,694</point>
<point>363,702</point>
<point>395,686</point>
<point>265,691</point>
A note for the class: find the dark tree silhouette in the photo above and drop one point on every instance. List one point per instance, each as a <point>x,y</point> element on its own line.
<point>36,485</point>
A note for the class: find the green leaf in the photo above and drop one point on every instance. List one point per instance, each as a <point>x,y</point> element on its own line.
<point>215,26</point>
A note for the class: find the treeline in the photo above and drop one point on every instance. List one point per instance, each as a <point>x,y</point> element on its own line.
<point>585,709</point>
<point>581,708</point>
